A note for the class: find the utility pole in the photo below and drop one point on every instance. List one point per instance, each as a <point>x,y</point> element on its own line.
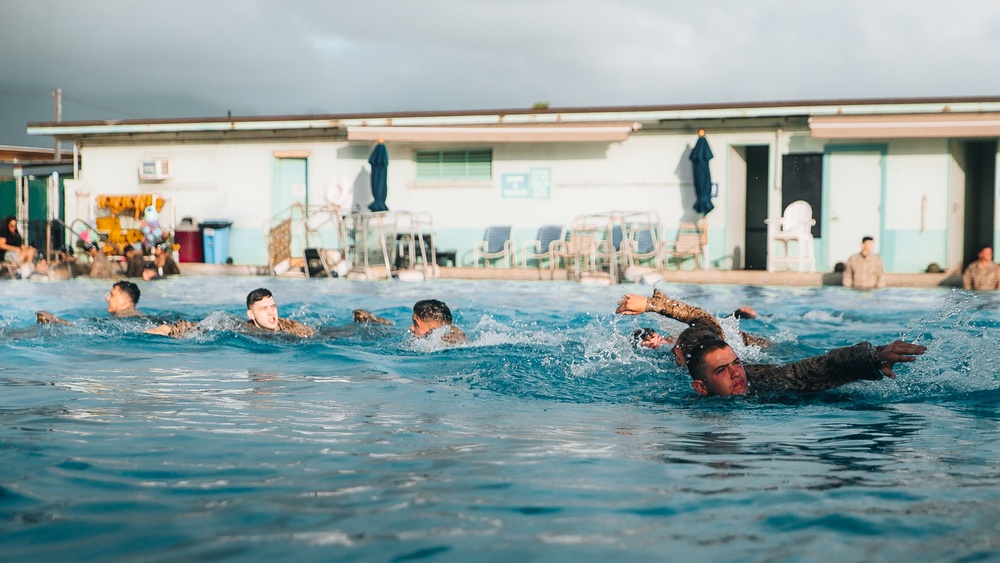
<point>58,96</point>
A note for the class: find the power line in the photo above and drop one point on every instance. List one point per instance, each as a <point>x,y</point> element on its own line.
<point>99,106</point>
<point>28,94</point>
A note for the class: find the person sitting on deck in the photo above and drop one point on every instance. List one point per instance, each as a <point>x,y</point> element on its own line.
<point>430,315</point>
<point>135,262</point>
<point>122,299</point>
<point>13,248</point>
<point>716,370</point>
<point>100,266</point>
<point>633,304</point>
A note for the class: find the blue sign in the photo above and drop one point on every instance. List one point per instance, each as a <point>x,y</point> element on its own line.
<point>515,185</point>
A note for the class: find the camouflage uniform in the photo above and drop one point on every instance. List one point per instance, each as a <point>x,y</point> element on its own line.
<point>977,276</point>
<point>100,266</point>
<point>691,315</point>
<point>833,369</point>
<point>180,328</point>
<point>454,335</point>
<point>864,272</point>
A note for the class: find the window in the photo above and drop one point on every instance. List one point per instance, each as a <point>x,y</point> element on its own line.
<point>454,165</point>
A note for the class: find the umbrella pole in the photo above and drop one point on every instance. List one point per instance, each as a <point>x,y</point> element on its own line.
<point>704,239</point>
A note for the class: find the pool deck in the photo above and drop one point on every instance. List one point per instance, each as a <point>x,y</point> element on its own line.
<point>722,277</point>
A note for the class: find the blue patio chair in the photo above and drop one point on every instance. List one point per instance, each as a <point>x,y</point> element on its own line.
<point>540,249</point>
<point>496,244</point>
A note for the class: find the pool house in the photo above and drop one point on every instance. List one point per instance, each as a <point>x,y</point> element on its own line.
<point>919,175</point>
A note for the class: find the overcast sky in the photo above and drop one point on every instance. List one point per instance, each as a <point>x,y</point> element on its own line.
<point>121,59</point>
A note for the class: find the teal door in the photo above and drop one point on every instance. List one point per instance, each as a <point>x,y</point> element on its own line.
<point>290,184</point>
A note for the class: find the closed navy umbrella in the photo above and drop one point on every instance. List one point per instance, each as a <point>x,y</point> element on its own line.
<point>379,161</point>
<point>702,175</point>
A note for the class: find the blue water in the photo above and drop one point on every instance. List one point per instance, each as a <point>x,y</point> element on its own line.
<point>546,439</point>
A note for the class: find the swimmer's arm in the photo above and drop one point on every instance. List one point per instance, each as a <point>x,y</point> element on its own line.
<point>454,335</point>
<point>296,328</point>
<point>835,368</point>
<point>176,330</point>
<point>45,317</point>
<point>683,312</point>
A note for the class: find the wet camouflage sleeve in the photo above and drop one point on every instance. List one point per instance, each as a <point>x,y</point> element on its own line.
<point>180,328</point>
<point>678,310</point>
<point>690,314</point>
<point>833,369</point>
<point>454,336</point>
<point>295,328</point>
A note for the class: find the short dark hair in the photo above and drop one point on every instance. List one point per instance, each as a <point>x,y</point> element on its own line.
<point>129,289</point>
<point>432,310</point>
<point>640,335</point>
<point>982,247</point>
<point>696,354</point>
<point>257,295</point>
<point>128,248</point>
<point>691,336</point>
<point>866,239</point>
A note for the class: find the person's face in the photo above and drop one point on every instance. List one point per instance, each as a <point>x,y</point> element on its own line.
<point>654,341</point>
<point>264,313</point>
<point>421,328</point>
<point>118,301</point>
<point>986,254</point>
<point>723,373</point>
<point>867,247</point>
<point>12,226</point>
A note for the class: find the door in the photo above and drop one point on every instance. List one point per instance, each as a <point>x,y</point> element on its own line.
<point>290,181</point>
<point>855,202</point>
<point>290,188</point>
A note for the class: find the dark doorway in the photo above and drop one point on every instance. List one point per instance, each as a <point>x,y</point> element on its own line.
<point>980,177</point>
<point>802,178</point>
<point>757,158</point>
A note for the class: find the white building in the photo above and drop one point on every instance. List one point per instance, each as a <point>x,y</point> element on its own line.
<point>919,175</point>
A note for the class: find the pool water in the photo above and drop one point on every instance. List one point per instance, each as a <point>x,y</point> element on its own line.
<point>547,438</point>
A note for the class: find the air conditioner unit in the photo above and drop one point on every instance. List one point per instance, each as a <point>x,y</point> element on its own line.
<point>154,170</point>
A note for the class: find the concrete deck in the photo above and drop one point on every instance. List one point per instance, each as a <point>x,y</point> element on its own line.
<point>726,277</point>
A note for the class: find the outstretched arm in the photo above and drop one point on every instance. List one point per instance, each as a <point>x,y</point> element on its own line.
<point>176,330</point>
<point>633,304</point>
<point>835,368</point>
<point>45,317</point>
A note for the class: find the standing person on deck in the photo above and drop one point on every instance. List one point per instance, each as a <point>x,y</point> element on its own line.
<point>864,269</point>
<point>984,273</point>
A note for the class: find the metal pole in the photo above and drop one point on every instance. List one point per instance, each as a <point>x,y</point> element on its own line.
<point>58,109</point>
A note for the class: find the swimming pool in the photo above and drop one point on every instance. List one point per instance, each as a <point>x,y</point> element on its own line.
<point>546,439</point>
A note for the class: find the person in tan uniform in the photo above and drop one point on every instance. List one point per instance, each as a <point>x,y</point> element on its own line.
<point>984,273</point>
<point>864,269</point>
<point>716,370</point>
<point>122,299</point>
<point>262,312</point>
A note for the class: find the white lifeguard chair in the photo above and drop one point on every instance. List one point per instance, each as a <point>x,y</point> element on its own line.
<point>795,225</point>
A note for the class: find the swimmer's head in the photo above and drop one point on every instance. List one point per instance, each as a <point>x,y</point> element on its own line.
<point>690,338</point>
<point>123,296</point>
<point>262,310</point>
<point>715,369</point>
<point>428,315</point>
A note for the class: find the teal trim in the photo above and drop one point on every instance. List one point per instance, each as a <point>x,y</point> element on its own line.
<point>913,250</point>
<point>247,246</point>
<point>822,263</point>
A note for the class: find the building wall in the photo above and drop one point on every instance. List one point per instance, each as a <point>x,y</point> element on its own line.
<point>648,171</point>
